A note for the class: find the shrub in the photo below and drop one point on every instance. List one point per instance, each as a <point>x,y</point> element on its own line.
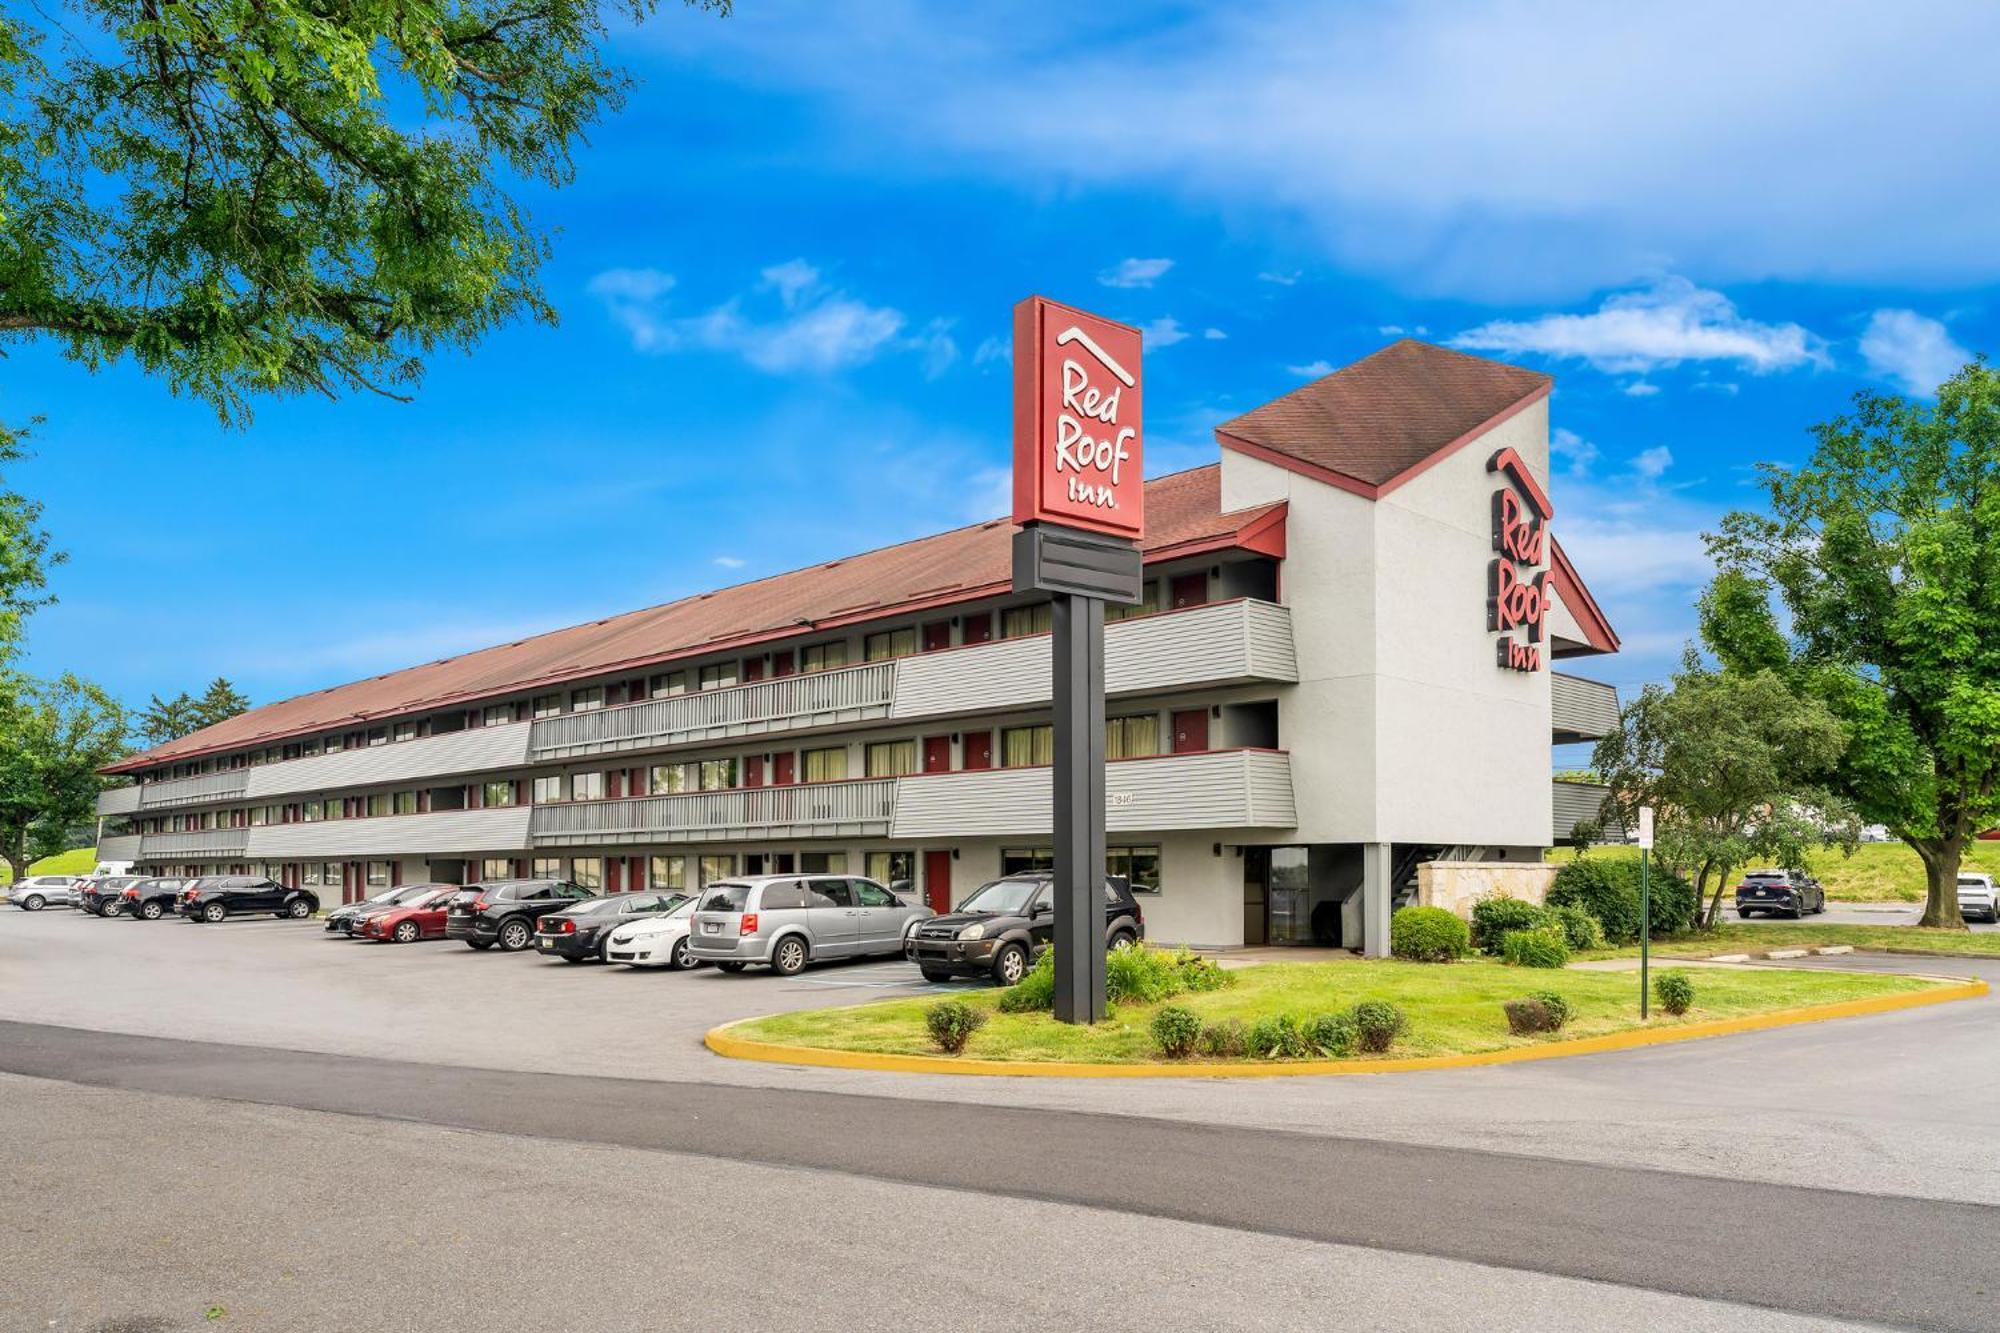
<point>1332,1034</point>
<point>1225,1040</point>
<point>1427,935</point>
<point>1674,992</point>
<point>1527,1016</point>
<point>1609,890</point>
<point>1279,1037</point>
<point>1377,1024</point>
<point>1579,927</point>
<point>1034,991</point>
<point>1176,1029</point>
<point>1492,918</point>
<point>1200,975</point>
<point>952,1023</point>
<point>1141,975</point>
<point>1546,947</point>
<point>1560,1010</point>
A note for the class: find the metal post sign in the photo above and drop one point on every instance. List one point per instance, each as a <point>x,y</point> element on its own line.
<point>1080,498</point>
<point>1645,908</point>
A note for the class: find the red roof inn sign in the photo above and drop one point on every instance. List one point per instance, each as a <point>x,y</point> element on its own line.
<point>1077,440</point>
<point>1517,598</point>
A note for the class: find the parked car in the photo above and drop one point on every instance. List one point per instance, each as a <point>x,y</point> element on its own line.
<point>1004,923</point>
<point>151,899</point>
<point>583,932</point>
<point>104,895</point>
<point>38,891</point>
<point>506,911</point>
<point>786,921</point>
<point>410,919</point>
<point>213,898</point>
<point>659,940</point>
<point>1976,897</point>
<point>345,919</point>
<point>1791,893</point>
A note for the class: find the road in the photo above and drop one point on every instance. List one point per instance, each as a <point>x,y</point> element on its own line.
<point>1366,1188</point>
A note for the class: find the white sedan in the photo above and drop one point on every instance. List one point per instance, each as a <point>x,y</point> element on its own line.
<point>1977,898</point>
<point>654,941</point>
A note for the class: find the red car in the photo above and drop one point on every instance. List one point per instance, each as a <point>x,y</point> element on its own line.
<point>406,923</point>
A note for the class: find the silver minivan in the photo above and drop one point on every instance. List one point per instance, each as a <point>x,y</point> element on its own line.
<point>786,921</point>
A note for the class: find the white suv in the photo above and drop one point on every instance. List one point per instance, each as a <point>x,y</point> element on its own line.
<point>1975,897</point>
<point>38,891</point>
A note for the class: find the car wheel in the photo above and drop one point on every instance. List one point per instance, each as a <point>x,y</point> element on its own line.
<point>936,973</point>
<point>481,945</point>
<point>33,902</point>
<point>1010,964</point>
<point>406,932</point>
<point>788,956</point>
<point>732,967</point>
<point>1123,939</point>
<point>298,909</point>
<point>213,912</point>
<point>514,936</point>
<point>1799,910</point>
<point>151,911</point>
<point>678,959</point>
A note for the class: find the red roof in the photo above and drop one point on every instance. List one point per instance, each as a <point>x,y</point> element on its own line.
<point>1183,517</point>
<point>1371,426</point>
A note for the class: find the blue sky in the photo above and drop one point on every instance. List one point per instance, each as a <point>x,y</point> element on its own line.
<point>785,272</point>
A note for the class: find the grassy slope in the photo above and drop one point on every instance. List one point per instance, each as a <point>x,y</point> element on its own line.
<point>1452,1008</point>
<point>76,861</point>
<point>1878,872</point>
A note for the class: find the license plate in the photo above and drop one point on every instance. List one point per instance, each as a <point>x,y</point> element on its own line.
<point>546,944</point>
<point>711,927</point>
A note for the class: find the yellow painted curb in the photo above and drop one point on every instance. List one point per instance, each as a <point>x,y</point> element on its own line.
<point>724,1043</point>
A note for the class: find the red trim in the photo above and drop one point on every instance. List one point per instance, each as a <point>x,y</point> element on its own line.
<point>1590,617</point>
<point>1510,462</point>
<point>1370,490</point>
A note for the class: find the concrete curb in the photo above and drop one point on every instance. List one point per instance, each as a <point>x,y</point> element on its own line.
<point>725,1043</point>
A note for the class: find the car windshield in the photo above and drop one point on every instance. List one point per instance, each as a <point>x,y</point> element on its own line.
<point>610,906</point>
<point>726,898</point>
<point>1001,897</point>
<point>679,905</point>
<point>1972,881</point>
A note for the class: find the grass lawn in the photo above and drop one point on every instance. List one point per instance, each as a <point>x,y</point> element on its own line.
<point>1878,872</point>
<point>1732,937</point>
<point>76,861</point>
<point>1453,1008</point>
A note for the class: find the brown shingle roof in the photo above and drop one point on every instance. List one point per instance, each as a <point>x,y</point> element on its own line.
<point>1374,422</point>
<point>1183,514</point>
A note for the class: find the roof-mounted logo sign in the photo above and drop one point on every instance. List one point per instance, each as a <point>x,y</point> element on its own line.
<point>1517,597</point>
<point>1078,441</point>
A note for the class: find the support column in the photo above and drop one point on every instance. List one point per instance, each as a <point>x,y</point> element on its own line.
<point>1077,623</point>
<point>1375,899</point>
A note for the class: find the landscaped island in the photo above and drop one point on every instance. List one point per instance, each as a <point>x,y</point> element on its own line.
<point>1451,1010</point>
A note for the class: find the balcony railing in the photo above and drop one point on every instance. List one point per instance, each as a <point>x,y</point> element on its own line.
<point>1581,710</point>
<point>226,785</point>
<point>820,699</point>
<point>198,844</point>
<point>1214,789</point>
<point>119,847</point>
<point>864,808</point>
<point>1579,803</point>
<point>119,800</point>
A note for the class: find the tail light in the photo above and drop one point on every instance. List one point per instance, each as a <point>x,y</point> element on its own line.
<point>749,923</point>
<point>565,927</point>
<point>130,893</point>
<point>478,904</point>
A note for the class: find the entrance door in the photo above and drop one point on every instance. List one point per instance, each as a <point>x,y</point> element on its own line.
<point>937,636</point>
<point>937,754</point>
<point>1191,731</point>
<point>937,879</point>
<point>1189,589</point>
<point>784,768</point>
<point>977,628</point>
<point>978,749</point>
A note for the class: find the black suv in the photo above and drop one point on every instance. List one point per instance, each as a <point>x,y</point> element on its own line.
<point>1004,923</point>
<point>153,898</point>
<point>215,897</point>
<point>106,896</point>
<point>579,933</point>
<point>506,911</point>
<point>1792,892</point>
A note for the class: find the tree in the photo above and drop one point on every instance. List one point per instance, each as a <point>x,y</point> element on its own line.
<point>220,701</point>
<point>276,196</point>
<point>25,557</point>
<point>54,736</point>
<point>1884,550</point>
<point>1723,758</point>
<point>169,719</point>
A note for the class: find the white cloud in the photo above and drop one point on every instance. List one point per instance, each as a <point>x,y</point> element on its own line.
<point>1214,335</point>
<point>936,346</point>
<point>993,349</point>
<point>1573,449</point>
<point>1280,279</point>
<point>1164,332</point>
<point>1652,464</point>
<point>1391,330</point>
<point>818,329</point>
<point>730,561</point>
<point>1641,389</point>
<point>1311,370</point>
<point>1135,272</point>
<point>1661,326</point>
<point>1916,352</point>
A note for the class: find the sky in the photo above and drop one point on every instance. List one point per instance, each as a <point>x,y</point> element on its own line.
<point>785,270</point>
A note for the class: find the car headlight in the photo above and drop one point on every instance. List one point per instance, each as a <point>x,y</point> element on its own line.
<point>973,932</point>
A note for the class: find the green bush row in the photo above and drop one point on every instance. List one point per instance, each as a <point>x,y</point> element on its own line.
<point>1493,919</point>
<point>1608,890</point>
<point>1371,1026</point>
<point>1139,974</point>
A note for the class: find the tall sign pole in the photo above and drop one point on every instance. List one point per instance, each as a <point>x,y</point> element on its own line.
<point>1645,905</point>
<point>1080,500</point>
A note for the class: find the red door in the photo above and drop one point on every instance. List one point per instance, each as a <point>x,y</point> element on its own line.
<point>753,770</point>
<point>937,880</point>
<point>614,874</point>
<point>753,669</point>
<point>784,768</point>
<point>937,754</point>
<point>979,628</point>
<point>1191,731</point>
<point>1190,589</point>
<point>937,635</point>
<point>978,749</point>
<point>781,662</point>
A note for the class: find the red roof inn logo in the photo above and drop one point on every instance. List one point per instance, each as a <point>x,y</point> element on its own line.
<point>1517,597</point>
<point>1077,433</point>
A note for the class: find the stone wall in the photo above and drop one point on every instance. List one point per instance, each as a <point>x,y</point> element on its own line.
<point>1457,885</point>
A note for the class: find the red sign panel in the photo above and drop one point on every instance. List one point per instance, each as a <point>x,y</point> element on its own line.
<point>1517,596</point>
<point>1077,435</point>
